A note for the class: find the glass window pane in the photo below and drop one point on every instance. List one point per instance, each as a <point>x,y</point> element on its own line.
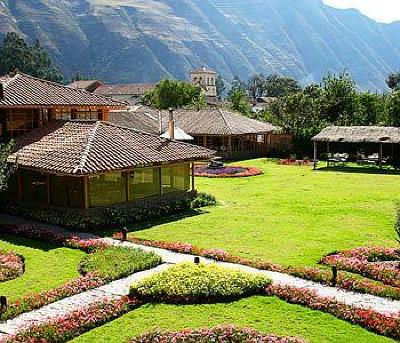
<point>107,189</point>
<point>144,183</point>
<point>66,191</point>
<point>176,178</point>
<point>34,187</point>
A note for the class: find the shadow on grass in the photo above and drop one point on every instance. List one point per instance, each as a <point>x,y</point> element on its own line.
<point>157,221</point>
<point>359,170</point>
<point>27,242</point>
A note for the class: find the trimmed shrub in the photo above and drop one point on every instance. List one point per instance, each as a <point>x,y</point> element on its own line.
<point>219,334</point>
<point>188,283</point>
<point>203,200</point>
<point>118,262</point>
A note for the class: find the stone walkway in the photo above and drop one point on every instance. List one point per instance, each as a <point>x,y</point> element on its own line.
<point>120,288</point>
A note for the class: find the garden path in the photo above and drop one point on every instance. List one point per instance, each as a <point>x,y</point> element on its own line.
<point>119,288</point>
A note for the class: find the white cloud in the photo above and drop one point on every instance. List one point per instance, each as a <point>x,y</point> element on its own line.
<point>385,11</point>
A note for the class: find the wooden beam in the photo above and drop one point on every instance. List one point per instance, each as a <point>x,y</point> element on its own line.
<point>193,188</point>
<point>315,154</point>
<point>128,190</point>
<point>380,155</point>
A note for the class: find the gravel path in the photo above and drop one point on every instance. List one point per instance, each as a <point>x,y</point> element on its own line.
<point>120,288</point>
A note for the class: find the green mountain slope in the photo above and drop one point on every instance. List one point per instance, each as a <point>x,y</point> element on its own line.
<point>144,40</point>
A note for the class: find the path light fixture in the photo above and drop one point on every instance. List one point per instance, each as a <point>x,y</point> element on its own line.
<point>3,304</point>
<point>124,234</point>
<point>197,260</point>
<point>334,275</point>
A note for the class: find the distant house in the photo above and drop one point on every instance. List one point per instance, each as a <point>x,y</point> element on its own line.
<point>231,134</point>
<point>206,79</point>
<point>132,93</point>
<point>75,167</point>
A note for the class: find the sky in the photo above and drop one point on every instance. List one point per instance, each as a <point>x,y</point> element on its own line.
<point>385,11</point>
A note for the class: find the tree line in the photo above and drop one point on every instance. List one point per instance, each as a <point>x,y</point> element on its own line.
<point>305,111</point>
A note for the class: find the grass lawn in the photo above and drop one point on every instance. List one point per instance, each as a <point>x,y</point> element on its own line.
<point>267,314</point>
<point>47,266</point>
<point>290,215</point>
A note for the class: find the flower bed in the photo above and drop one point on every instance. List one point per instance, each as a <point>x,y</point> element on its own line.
<point>104,264</point>
<point>377,263</point>
<point>380,323</point>
<point>344,280</point>
<point>12,266</point>
<point>229,171</point>
<point>219,334</point>
<point>293,162</point>
<point>66,328</point>
<point>188,283</point>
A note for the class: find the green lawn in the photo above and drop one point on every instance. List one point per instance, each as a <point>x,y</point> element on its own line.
<point>290,215</point>
<point>269,315</point>
<point>47,266</point>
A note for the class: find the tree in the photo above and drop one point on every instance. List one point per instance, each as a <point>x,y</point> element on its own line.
<point>6,169</point>
<point>239,101</point>
<point>173,94</point>
<point>340,99</point>
<point>220,84</point>
<point>256,86</point>
<point>393,109</point>
<point>78,76</point>
<point>17,54</point>
<point>237,84</point>
<point>370,109</point>
<point>279,86</point>
<point>393,81</point>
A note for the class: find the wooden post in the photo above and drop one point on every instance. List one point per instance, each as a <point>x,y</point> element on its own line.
<point>3,122</point>
<point>48,189</point>
<point>205,141</point>
<point>193,176</point>
<point>315,154</point>
<point>380,155</point>
<point>128,190</point>
<point>327,148</point>
<point>85,192</point>
<point>19,184</point>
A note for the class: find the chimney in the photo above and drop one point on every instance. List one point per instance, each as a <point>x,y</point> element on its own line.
<point>1,91</point>
<point>171,125</point>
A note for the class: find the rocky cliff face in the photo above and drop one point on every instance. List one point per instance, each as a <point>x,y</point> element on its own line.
<point>144,40</point>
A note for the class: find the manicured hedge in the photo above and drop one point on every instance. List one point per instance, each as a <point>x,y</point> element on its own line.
<point>219,334</point>
<point>188,283</point>
<point>203,200</point>
<point>345,280</point>
<point>12,265</point>
<point>117,262</point>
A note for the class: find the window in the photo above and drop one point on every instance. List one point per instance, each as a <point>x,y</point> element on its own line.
<point>66,191</point>
<point>34,187</point>
<point>144,183</point>
<point>175,178</point>
<point>108,189</point>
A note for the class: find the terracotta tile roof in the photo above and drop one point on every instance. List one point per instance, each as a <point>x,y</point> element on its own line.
<point>132,89</point>
<point>90,147</point>
<point>24,90</point>
<point>204,122</point>
<point>87,85</point>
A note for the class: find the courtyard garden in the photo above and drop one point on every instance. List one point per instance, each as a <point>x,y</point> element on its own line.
<point>287,219</point>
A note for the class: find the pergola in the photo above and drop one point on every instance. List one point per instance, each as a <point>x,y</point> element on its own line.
<point>379,135</point>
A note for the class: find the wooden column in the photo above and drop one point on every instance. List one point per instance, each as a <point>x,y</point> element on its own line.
<point>380,155</point>
<point>85,192</point>
<point>315,154</point>
<point>3,122</point>
<point>193,188</point>
<point>19,184</point>
<point>327,148</point>
<point>48,189</point>
<point>128,177</point>
<point>160,179</point>
<point>74,114</point>
<point>205,141</point>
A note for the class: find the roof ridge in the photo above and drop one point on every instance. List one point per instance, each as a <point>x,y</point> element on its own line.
<point>9,79</point>
<point>85,154</point>
<point>226,122</point>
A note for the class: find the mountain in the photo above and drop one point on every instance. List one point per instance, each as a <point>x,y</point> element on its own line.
<point>145,40</point>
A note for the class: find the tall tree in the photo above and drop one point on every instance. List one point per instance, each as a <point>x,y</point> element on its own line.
<point>239,102</point>
<point>256,85</point>
<point>174,94</point>
<point>237,84</point>
<point>278,86</point>
<point>370,109</point>
<point>221,88</point>
<point>17,54</point>
<point>393,109</point>
<point>393,81</point>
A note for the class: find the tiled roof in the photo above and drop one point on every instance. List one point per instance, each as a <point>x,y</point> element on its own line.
<point>87,85</point>
<point>203,122</point>
<point>24,90</point>
<point>132,89</point>
<point>90,147</point>
<point>203,70</point>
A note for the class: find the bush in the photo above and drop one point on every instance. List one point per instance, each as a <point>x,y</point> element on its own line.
<point>12,265</point>
<point>397,223</point>
<point>189,283</point>
<point>118,262</point>
<point>219,334</point>
<point>203,200</point>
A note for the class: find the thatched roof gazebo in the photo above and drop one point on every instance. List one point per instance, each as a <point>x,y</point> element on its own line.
<point>382,136</point>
